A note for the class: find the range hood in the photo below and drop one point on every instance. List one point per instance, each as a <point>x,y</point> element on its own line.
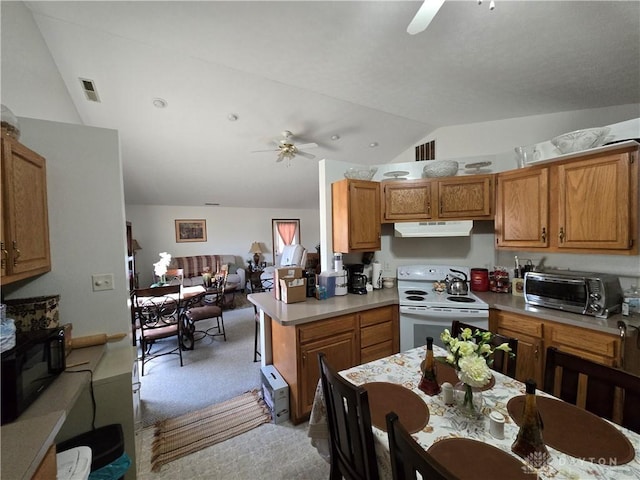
<point>433,229</point>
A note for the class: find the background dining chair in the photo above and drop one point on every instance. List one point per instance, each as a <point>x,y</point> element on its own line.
<point>211,308</point>
<point>175,276</point>
<point>349,419</point>
<point>605,391</point>
<point>408,457</point>
<point>502,361</point>
<point>156,313</point>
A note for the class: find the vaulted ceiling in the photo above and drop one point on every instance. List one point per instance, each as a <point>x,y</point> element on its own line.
<point>320,69</point>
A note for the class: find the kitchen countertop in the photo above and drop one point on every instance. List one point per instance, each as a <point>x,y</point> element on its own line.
<point>289,314</point>
<point>312,309</point>
<point>25,441</point>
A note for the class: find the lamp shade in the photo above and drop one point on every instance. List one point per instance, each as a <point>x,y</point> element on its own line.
<point>135,245</point>
<point>255,248</point>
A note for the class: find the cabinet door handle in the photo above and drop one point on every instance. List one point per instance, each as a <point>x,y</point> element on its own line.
<point>16,253</point>
<point>561,234</point>
<point>536,354</point>
<point>544,234</point>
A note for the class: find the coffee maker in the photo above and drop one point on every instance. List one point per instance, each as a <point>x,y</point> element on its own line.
<point>356,279</point>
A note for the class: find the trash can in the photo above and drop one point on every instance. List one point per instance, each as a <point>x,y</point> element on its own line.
<point>74,464</point>
<point>108,460</point>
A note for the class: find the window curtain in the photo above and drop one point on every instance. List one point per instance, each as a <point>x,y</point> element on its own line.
<point>287,231</point>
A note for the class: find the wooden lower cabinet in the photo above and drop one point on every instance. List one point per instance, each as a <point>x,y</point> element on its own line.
<point>346,340</point>
<point>535,336</point>
<point>48,468</point>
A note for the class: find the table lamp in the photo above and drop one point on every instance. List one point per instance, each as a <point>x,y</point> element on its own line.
<point>256,250</point>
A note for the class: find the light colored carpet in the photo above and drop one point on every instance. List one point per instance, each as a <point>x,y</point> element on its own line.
<point>176,437</point>
<point>213,372</point>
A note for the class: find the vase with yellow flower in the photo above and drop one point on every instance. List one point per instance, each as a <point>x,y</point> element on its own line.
<point>160,269</point>
<point>470,355</point>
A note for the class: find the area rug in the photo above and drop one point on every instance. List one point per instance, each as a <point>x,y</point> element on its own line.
<point>177,437</point>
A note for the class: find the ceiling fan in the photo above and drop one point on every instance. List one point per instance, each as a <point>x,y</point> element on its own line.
<point>287,149</point>
<point>428,10</point>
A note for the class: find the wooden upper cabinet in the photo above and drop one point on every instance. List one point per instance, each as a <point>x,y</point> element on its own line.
<point>522,208</point>
<point>594,203</point>
<point>406,200</point>
<point>25,223</point>
<point>466,197</point>
<point>578,205</point>
<point>356,216</point>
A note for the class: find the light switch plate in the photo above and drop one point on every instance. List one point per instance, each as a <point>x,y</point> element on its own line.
<point>102,281</point>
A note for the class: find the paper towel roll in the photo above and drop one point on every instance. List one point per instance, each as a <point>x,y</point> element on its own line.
<point>376,277</point>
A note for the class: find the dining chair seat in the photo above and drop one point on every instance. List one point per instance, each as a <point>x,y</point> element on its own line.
<point>205,312</point>
<point>606,391</point>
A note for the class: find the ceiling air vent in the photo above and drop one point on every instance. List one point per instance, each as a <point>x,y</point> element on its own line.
<point>89,89</point>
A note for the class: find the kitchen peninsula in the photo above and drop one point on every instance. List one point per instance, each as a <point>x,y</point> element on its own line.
<point>355,329</point>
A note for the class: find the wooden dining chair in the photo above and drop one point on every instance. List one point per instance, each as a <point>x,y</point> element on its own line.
<point>175,276</point>
<point>606,391</point>
<point>156,313</point>
<point>407,456</point>
<point>502,361</point>
<point>349,419</point>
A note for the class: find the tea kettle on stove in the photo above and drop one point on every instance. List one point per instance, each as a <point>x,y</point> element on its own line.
<point>456,285</point>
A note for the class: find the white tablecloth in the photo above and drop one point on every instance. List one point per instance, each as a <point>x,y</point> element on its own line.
<point>446,422</point>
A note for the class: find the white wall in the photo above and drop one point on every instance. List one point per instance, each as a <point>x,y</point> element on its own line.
<point>86,225</point>
<point>32,88</point>
<point>230,231</point>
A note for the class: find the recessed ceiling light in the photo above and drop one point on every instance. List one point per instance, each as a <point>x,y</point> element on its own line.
<point>335,137</point>
<point>159,103</point>
<point>232,118</point>
<point>373,144</point>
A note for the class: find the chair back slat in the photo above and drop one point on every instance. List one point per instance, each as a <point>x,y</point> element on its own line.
<point>349,420</point>
<point>600,389</point>
<point>408,458</point>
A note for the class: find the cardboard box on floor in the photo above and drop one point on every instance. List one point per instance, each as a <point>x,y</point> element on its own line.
<point>293,290</point>
<point>287,273</point>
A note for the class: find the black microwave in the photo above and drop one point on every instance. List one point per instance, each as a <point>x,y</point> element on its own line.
<point>29,368</point>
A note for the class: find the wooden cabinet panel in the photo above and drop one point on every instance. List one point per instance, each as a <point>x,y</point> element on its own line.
<point>529,359</point>
<point>379,350</point>
<point>340,353</point>
<point>376,315</point>
<point>375,334</point>
<point>593,200</point>
<point>580,205</point>
<point>355,216</point>
<point>406,200</point>
<point>48,468</point>
<point>469,197</point>
<point>25,224</point>
<point>520,323</point>
<point>315,330</point>
<point>522,208</point>
<point>599,347</point>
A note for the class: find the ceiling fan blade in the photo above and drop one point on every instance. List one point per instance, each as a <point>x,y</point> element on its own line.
<point>305,154</point>
<point>307,145</point>
<point>260,151</point>
<point>425,14</point>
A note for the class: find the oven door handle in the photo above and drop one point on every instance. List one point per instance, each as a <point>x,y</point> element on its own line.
<point>416,309</point>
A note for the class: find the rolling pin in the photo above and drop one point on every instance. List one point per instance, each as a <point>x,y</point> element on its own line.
<point>98,339</point>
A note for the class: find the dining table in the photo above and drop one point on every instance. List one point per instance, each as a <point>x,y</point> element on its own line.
<point>189,296</point>
<point>581,445</point>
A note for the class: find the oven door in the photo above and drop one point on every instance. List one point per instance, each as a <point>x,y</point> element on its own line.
<point>419,322</point>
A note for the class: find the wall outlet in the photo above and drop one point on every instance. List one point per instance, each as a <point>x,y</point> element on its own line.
<point>102,281</point>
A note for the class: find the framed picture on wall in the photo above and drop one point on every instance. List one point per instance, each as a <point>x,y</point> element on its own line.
<point>191,231</point>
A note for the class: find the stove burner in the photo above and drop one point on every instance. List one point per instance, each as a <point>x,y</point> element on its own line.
<point>461,299</point>
<point>415,298</point>
<point>415,292</point>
